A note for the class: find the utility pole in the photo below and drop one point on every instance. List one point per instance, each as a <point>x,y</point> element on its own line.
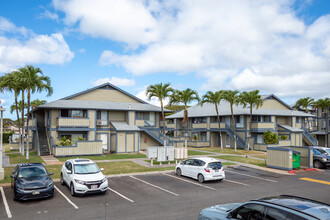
<point>2,172</point>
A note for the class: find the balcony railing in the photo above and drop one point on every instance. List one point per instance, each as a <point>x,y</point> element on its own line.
<point>81,148</point>
<point>262,125</point>
<point>199,125</point>
<point>73,122</point>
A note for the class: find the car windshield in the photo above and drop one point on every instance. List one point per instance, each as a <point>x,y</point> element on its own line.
<point>327,150</point>
<point>30,172</point>
<point>322,151</point>
<point>215,165</point>
<point>87,168</point>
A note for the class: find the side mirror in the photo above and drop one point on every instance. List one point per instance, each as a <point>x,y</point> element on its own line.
<point>12,176</point>
<point>102,169</point>
<point>51,173</point>
<point>69,172</point>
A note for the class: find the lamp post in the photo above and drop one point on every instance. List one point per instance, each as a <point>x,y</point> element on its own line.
<point>2,172</point>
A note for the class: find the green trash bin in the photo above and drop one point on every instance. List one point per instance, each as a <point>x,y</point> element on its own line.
<point>295,159</point>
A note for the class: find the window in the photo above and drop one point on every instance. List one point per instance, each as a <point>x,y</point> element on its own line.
<point>249,212</point>
<point>101,117</point>
<point>278,214</point>
<point>199,120</point>
<point>261,118</point>
<point>260,139</point>
<point>170,121</point>
<point>203,136</point>
<point>142,115</point>
<point>74,136</point>
<point>68,113</point>
<point>68,165</point>
<point>215,119</point>
<point>240,121</point>
<point>298,119</point>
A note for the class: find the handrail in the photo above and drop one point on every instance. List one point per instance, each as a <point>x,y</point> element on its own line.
<point>48,143</point>
<point>157,133</point>
<point>309,136</point>
<point>239,140</point>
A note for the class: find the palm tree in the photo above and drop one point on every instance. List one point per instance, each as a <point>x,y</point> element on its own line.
<point>303,104</point>
<point>253,99</point>
<point>214,98</point>
<point>9,82</point>
<point>325,105</point>
<point>33,81</point>
<point>161,92</point>
<point>184,97</point>
<point>233,98</point>
<point>35,103</point>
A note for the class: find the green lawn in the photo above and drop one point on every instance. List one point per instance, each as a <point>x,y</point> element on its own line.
<point>229,151</point>
<point>106,157</point>
<point>260,163</point>
<point>18,158</point>
<point>193,153</point>
<point>157,163</point>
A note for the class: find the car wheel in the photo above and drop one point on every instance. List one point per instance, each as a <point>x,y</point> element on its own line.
<point>62,180</point>
<point>72,192</point>
<point>317,164</point>
<point>15,195</point>
<point>178,172</point>
<point>200,178</point>
<point>220,180</point>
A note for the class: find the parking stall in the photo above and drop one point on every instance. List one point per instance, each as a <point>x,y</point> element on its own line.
<point>128,194</point>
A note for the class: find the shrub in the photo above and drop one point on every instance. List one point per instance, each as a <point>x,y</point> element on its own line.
<point>6,135</point>
<point>283,137</point>
<point>65,142</point>
<point>270,137</point>
<point>195,137</point>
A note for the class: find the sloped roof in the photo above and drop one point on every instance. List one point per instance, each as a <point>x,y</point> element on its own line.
<point>100,105</point>
<point>208,109</point>
<point>123,126</point>
<point>268,96</point>
<point>107,86</point>
<point>289,128</point>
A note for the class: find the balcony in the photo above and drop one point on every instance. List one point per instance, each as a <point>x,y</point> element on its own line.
<point>216,125</point>
<point>81,148</point>
<point>170,125</point>
<point>101,122</point>
<point>199,125</point>
<point>262,125</point>
<point>198,143</point>
<point>73,122</point>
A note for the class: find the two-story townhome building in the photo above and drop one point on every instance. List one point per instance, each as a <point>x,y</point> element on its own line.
<point>321,127</point>
<point>100,120</point>
<point>274,115</point>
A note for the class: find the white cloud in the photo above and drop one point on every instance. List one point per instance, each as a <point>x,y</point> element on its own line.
<point>82,50</point>
<point>2,102</point>
<point>116,81</point>
<point>33,49</point>
<point>237,44</point>
<point>49,15</point>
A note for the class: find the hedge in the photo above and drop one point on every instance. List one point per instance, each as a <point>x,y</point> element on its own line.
<point>6,135</point>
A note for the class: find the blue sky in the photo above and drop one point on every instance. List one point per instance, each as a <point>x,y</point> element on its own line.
<point>276,46</point>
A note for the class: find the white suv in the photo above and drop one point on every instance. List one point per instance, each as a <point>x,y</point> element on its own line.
<point>83,176</point>
<point>202,169</point>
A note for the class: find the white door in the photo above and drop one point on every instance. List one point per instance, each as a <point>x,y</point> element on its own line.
<point>104,139</point>
<point>227,140</point>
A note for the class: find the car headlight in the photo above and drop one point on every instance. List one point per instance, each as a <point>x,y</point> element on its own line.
<point>324,159</point>
<point>79,181</point>
<point>50,184</point>
<point>20,187</point>
<point>104,179</point>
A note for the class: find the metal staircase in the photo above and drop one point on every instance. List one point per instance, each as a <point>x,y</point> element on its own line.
<point>156,134</point>
<point>309,137</point>
<point>240,141</point>
<point>42,140</point>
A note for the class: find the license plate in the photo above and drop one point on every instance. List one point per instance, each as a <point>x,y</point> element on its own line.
<point>35,192</point>
<point>94,186</point>
<point>216,170</point>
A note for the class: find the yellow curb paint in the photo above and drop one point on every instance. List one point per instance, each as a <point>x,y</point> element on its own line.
<point>316,181</point>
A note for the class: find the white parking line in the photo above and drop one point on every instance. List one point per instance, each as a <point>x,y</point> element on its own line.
<point>231,181</point>
<point>67,199</point>
<point>155,186</point>
<point>120,194</point>
<point>274,181</point>
<point>189,181</point>
<point>5,203</point>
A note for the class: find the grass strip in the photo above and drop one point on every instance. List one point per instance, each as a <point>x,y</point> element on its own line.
<point>194,152</point>
<point>257,162</point>
<point>18,158</point>
<point>229,151</point>
<point>106,157</point>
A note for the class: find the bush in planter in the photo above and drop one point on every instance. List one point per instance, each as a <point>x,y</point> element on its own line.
<point>270,137</point>
<point>195,137</point>
<point>65,142</point>
<point>283,137</point>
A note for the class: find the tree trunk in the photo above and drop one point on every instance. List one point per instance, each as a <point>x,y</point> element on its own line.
<point>327,129</point>
<point>232,117</point>
<point>218,117</point>
<point>27,122</point>
<point>19,126</point>
<point>23,127</point>
<point>250,134</point>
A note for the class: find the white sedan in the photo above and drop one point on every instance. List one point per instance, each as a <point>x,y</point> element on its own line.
<point>83,176</point>
<point>202,169</point>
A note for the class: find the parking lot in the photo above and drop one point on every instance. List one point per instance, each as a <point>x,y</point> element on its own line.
<point>165,195</point>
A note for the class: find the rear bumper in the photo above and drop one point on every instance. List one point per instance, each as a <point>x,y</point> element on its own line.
<point>30,194</point>
<point>218,176</point>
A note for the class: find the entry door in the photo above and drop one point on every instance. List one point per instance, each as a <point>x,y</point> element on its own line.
<point>227,120</point>
<point>227,140</point>
<point>104,139</point>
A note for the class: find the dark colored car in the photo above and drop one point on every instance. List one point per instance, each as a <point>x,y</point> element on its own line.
<point>31,181</point>
<point>321,157</point>
<point>282,207</point>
